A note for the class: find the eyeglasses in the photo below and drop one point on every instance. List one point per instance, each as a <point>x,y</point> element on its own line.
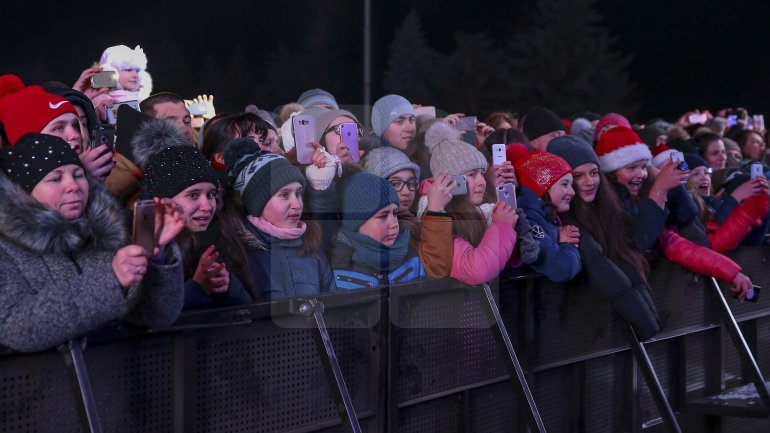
<point>398,185</point>
<point>338,128</point>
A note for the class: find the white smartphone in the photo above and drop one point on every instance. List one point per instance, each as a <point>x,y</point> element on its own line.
<point>756,170</point>
<point>498,154</point>
<point>678,159</point>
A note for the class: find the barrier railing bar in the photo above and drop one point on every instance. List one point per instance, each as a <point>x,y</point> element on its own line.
<point>518,377</point>
<point>314,309</point>
<point>648,371</point>
<point>731,326</point>
<point>73,357</point>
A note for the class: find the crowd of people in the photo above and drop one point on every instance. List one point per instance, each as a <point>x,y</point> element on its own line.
<point>239,219</point>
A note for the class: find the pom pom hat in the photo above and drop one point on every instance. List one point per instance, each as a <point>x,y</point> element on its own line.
<point>28,109</point>
<point>449,154</point>
<point>538,171</point>
<point>619,147</point>
<point>609,121</point>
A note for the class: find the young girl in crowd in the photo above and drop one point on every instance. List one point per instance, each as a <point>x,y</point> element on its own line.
<point>482,245</point>
<point>613,263</point>
<point>545,190</point>
<point>66,267</point>
<point>371,248</point>
<point>284,252</point>
<point>624,159</point>
<point>742,215</point>
<point>134,83</point>
<point>183,174</point>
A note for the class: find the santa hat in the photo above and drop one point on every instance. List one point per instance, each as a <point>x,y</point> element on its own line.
<point>538,171</point>
<point>609,121</point>
<point>28,109</point>
<point>660,154</point>
<point>619,147</point>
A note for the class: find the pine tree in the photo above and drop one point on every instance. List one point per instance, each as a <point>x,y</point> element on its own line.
<point>412,63</point>
<point>566,61</point>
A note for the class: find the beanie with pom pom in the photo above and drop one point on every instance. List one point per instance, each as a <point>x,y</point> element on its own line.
<point>449,154</point>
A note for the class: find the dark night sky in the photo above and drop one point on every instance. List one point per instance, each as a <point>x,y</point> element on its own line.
<point>686,54</point>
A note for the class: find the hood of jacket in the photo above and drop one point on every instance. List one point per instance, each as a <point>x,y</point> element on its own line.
<point>28,224</point>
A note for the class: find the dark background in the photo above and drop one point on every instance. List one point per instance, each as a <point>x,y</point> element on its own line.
<point>685,54</point>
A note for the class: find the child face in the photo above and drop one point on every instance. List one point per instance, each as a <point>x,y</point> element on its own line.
<point>700,181</point>
<point>476,185</point>
<point>129,79</point>
<point>198,202</point>
<point>406,180</point>
<point>284,208</point>
<point>632,176</point>
<point>382,226</point>
<point>585,181</point>
<point>561,193</point>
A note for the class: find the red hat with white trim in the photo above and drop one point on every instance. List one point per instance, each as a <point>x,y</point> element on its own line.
<point>619,147</point>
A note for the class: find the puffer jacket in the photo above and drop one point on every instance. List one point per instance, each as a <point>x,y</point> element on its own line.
<point>696,258</point>
<point>56,275</point>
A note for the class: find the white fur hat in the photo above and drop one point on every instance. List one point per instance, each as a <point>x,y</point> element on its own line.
<point>121,57</point>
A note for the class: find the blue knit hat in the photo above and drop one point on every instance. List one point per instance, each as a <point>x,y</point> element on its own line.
<point>387,109</point>
<point>573,149</point>
<point>363,195</point>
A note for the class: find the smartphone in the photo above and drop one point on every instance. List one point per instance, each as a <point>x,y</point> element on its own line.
<point>197,109</point>
<point>678,157</point>
<point>427,112</point>
<point>104,79</point>
<point>467,123</point>
<point>758,122</point>
<point>303,128</point>
<point>752,295</point>
<point>103,134</point>
<point>732,120</point>
<point>498,154</point>
<point>697,118</point>
<point>507,193</point>
<point>144,225</point>
<point>349,134</point>
<point>460,187</point>
<point>757,170</point>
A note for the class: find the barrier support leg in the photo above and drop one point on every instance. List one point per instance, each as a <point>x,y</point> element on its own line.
<point>73,358</point>
<point>515,371</point>
<point>648,371</point>
<point>313,309</point>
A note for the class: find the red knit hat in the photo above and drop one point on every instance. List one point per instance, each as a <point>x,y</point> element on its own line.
<point>619,147</point>
<point>538,171</point>
<point>28,109</point>
<point>609,121</point>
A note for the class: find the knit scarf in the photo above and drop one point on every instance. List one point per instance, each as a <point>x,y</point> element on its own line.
<point>373,254</point>
<point>285,234</point>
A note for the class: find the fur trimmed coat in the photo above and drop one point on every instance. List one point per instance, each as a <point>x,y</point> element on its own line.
<point>56,275</point>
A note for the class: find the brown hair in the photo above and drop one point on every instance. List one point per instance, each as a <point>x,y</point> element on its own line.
<point>467,220</point>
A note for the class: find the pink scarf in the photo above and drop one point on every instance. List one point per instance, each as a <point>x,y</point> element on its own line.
<point>277,232</point>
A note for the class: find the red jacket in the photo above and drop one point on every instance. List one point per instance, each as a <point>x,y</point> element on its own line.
<point>696,258</point>
<point>741,221</point>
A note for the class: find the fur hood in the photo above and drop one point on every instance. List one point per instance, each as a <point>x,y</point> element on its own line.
<point>26,223</point>
<point>151,137</point>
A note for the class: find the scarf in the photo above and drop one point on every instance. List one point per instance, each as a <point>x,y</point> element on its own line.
<point>267,227</point>
<point>373,254</point>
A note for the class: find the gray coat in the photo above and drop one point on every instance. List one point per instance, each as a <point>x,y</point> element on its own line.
<point>56,276</point>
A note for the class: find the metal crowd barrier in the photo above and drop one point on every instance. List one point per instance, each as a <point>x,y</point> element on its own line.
<point>434,356</point>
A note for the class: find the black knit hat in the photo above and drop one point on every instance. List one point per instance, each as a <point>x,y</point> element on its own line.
<point>573,149</point>
<point>540,121</point>
<point>257,175</point>
<point>175,168</point>
<point>34,156</point>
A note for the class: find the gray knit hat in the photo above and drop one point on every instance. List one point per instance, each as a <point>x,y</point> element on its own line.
<point>324,119</point>
<point>257,176</point>
<point>449,154</point>
<point>387,109</point>
<point>363,195</point>
<point>384,161</point>
<point>573,149</point>
<point>313,97</point>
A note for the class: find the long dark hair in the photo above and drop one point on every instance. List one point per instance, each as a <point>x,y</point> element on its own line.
<point>467,220</point>
<point>606,221</point>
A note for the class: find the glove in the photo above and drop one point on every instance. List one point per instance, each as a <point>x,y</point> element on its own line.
<point>321,178</point>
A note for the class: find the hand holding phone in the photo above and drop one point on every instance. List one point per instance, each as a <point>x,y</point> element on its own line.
<point>757,170</point>
<point>103,79</point>
<point>678,158</point>
<point>507,194</point>
<point>461,187</point>
<point>303,129</point>
<point>349,136</point>
<point>143,233</point>
<point>498,154</point>
<point>467,123</point>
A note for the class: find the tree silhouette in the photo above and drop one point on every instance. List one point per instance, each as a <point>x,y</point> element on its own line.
<point>566,62</point>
